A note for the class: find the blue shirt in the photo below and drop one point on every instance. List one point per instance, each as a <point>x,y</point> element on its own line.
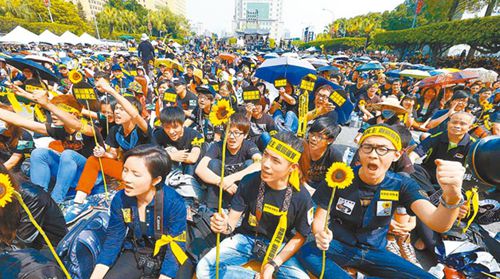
<point>443,125</point>
<point>367,226</point>
<point>121,229</point>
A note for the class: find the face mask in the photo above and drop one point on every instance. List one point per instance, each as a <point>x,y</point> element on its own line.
<point>3,127</point>
<point>386,113</point>
<point>239,78</point>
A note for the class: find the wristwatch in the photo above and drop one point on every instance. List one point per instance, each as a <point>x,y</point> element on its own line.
<point>275,265</point>
<point>451,206</point>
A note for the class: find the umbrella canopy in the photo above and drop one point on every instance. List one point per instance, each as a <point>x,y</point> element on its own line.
<point>418,74</point>
<point>317,62</point>
<point>485,75</point>
<point>329,68</point>
<point>170,63</point>
<point>449,78</point>
<point>88,39</point>
<point>21,63</point>
<point>290,54</point>
<point>126,37</point>
<point>20,35</point>
<point>271,55</point>
<point>49,37</point>
<point>227,57</point>
<point>393,73</point>
<point>370,67</point>
<point>40,59</point>
<point>340,57</point>
<point>70,38</point>
<point>284,67</point>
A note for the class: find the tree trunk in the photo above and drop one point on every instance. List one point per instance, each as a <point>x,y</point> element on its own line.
<point>453,9</point>
<point>489,9</point>
<point>471,53</point>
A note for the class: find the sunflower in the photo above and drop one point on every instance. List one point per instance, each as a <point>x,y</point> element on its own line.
<point>6,190</point>
<point>75,76</point>
<point>220,112</point>
<point>339,175</point>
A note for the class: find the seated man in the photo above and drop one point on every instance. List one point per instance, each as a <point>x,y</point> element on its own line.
<point>183,144</point>
<point>362,212</point>
<point>452,144</point>
<point>242,158</point>
<point>276,218</point>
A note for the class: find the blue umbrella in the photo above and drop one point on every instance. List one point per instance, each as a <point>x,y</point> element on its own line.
<point>328,68</point>
<point>393,73</point>
<point>36,68</point>
<point>344,111</point>
<point>370,67</point>
<point>271,55</point>
<point>284,67</point>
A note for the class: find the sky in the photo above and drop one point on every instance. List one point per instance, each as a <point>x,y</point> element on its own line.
<point>217,15</point>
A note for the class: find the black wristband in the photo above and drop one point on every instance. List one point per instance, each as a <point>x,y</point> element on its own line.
<point>275,265</point>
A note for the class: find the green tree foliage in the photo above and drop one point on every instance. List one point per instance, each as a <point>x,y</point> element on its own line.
<point>9,23</point>
<point>337,43</point>
<point>35,11</point>
<point>480,33</point>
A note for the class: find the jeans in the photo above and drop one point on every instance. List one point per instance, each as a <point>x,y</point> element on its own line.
<point>288,122</point>
<point>236,251</point>
<point>67,167</point>
<point>380,263</point>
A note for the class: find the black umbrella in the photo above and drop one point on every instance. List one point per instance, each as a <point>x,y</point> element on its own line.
<point>36,68</point>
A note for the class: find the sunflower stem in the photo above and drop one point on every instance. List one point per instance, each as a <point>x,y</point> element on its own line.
<point>323,264</point>
<point>221,191</point>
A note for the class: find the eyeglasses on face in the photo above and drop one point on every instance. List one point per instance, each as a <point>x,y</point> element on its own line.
<point>380,150</point>
<point>235,134</point>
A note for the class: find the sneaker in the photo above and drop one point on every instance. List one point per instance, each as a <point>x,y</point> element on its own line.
<point>407,250</point>
<point>76,211</point>
<point>392,245</point>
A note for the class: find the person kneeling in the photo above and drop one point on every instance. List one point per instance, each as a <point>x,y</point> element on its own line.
<point>272,209</point>
<point>146,232</point>
<point>361,213</point>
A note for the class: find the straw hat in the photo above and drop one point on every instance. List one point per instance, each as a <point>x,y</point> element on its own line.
<point>391,102</point>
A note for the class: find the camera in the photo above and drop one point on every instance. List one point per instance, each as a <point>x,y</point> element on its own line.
<point>483,160</point>
<point>259,249</point>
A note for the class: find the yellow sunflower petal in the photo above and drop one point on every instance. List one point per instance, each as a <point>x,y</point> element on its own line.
<point>6,190</point>
<point>75,76</point>
<point>220,112</point>
<point>339,175</point>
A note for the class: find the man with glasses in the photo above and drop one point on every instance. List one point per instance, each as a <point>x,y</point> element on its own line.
<point>323,106</point>
<point>242,158</point>
<point>361,213</point>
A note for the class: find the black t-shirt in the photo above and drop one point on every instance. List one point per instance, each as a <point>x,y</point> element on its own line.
<point>104,126</point>
<point>233,164</point>
<point>24,146</point>
<point>77,141</point>
<point>202,124</point>
<point>189,102</point>
<point>117,139</point>
<point>317,170</point>
<point>355,92</point>
<point>261,125</point>
<point>300,211</point>
<point>190,138</point>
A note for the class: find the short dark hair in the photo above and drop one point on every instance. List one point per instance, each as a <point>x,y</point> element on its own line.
<point>291,139</point>
<point>325,87</point>
<point>326,126</point>
<point>132,100</point>
<point>404,133</point>
<point>240,121</point>
<point>156,159</point>
<point>170,115</point>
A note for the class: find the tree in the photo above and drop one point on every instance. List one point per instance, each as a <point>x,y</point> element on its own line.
<point>79,8</point>
<point>109,17</point>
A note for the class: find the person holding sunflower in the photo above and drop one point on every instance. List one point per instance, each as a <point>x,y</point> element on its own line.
<point>242,158</point>
<point>276,210</point>
<point>361,213</point>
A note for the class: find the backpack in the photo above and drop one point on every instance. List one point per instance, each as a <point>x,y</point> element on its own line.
<point>28,264</point>
<point>200,238</point>
<point>80,248</point>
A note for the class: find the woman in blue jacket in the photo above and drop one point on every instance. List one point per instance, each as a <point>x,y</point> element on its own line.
<point>145,237</point>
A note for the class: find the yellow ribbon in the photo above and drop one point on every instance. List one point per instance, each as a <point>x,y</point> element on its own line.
<point>179,254</point>
<point>279,233</point>
<point>39,114</point>
<point>472,202</point>
<point>285,150</point>
<point>14,102</point>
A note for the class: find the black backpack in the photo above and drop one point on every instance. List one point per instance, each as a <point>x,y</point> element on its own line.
<point>28,264</point>
<point>200,238</point>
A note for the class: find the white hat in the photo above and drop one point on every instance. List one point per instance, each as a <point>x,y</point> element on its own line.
<point>391,102</point>
<point>144,37</point>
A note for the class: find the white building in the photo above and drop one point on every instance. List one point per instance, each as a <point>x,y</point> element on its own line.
<point>259,15</point>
